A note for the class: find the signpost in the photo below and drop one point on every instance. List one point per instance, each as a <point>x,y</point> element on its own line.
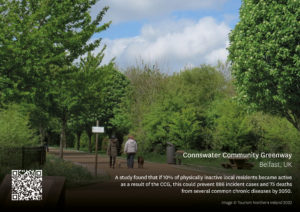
<point>97,130</point>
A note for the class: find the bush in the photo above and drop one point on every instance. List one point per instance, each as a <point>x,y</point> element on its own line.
<point>84,142</point>
<point>232,129</point>
<point>159,149</point>
<point>74,174</point>
<point>15,130</point>
<point>236,130</point>
<point>278,135</point>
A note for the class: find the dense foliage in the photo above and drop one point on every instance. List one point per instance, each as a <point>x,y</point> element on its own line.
<point>47,66</point>
<point>15,129</point>
<point>37,36</point>
<point>265,54</point>
<point>197,109</point>
<point>40,42</point>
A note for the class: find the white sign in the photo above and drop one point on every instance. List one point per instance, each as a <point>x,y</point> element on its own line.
<point>98,129</point>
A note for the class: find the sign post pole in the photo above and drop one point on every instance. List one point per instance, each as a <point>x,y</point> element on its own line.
<point>97,130</point>
<point>96,151</point>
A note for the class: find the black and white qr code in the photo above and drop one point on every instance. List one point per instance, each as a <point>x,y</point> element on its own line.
<point>26,185</point>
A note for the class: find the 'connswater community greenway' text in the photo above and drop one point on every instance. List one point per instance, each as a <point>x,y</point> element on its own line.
<point>239,155</point>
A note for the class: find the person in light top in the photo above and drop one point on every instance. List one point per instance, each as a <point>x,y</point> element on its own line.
<point>130,149</point>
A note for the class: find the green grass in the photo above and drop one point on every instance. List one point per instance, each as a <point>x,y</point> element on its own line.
<point>75,175</point>
<point>155,157</point>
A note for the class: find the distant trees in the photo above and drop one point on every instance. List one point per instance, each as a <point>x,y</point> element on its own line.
<point>196,109</point>
<point>171,108</point>
<point>265,55</point>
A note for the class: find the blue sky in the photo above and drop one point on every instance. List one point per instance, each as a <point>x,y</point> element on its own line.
<point>172,34</point>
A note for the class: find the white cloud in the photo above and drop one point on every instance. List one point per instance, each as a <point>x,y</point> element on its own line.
<point>176,44</point>
<point>133,10</point>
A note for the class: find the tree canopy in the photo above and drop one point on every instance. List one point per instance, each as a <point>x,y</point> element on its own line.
<point>37,35</point>
<point>39,42</point>
<point>265,55</point>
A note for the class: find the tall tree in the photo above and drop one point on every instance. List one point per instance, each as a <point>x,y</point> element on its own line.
<point>265,55</point>
<point>39,41</point>
<point>37,34</point>
<point>98,92</point>
<point>62,99</point>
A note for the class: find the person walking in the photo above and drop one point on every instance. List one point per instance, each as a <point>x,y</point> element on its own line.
<point>112,151</point>
<point>130,149</point>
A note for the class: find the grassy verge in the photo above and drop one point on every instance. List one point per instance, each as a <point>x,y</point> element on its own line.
<point>75,175</point>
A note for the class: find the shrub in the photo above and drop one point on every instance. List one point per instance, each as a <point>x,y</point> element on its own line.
<point>278,135</point>
<point>233,129</point>
<point>15,130</point>
<point>74,174</point>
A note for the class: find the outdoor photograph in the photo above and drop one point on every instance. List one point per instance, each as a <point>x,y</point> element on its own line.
<point>149,104</point>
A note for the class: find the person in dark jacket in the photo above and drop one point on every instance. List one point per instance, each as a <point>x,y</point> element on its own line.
<point>112,151</point>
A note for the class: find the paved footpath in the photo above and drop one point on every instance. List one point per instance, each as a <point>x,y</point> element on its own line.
<point>110,193</point>
<point>88,160</point>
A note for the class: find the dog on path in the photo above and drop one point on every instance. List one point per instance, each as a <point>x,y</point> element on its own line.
<point>140,162</point>
<point>119,163</point>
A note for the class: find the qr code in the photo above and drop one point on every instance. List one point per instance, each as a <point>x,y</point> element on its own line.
<point>26,185</point>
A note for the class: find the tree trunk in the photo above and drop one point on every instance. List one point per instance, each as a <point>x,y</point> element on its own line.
<point>42,134</point>
<point>48,137</point>
<point>90,142</point>
<point>88,130</point>
<point>63,137</point>
<point>78,134</point>
<point>89,133</point>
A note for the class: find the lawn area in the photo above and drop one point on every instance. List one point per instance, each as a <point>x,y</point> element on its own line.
<point>75,175</point>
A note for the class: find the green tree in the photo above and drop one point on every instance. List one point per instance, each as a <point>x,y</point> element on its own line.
<point>101,90</point>
<point>15,129</point>
<point>201,85</point>
<point>89,85</point>
<point>276,133</point>
<point>233,129</point>
<point>61,99</point>
<point>36,35</point>
<point>265,55</point>
<point>185,128</point>
<point>77,125</point>
<point>39,41</point>
<point>177,115</point>
<point>146,83</point>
